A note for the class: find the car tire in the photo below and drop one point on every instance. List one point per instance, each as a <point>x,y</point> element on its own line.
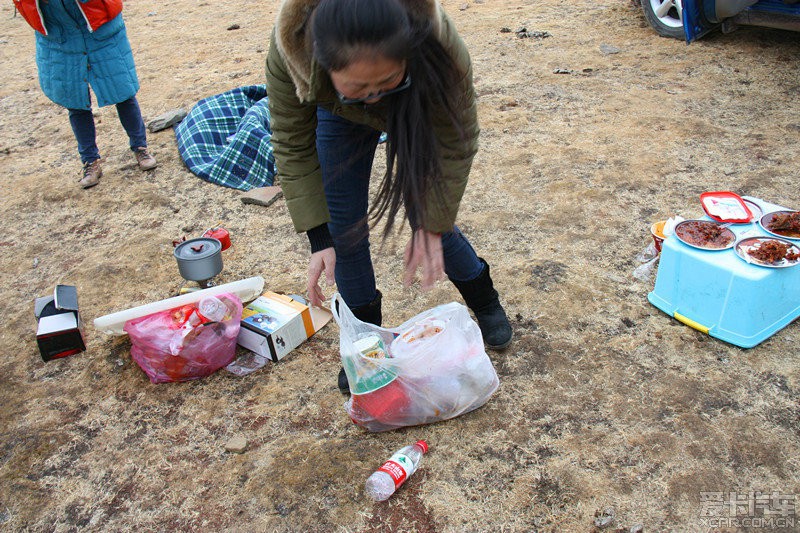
<point>670,23</point>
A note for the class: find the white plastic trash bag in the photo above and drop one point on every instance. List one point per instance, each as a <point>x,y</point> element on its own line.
<point>432,367</point>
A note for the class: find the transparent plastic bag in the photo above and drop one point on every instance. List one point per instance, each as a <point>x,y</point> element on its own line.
<point>432,367</point>
<point>181,344</point>
<point>649,260</point>
<point>247,363</point>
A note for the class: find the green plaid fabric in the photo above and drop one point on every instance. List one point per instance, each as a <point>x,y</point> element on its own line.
<point>225,139</point>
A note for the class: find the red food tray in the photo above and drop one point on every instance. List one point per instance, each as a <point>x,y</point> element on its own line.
<point>725,206</point>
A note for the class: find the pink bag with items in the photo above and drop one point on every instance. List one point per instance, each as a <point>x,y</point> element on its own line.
<point>188,342</point>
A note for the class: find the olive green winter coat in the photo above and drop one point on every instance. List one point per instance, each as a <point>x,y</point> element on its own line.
<point>296,85</point>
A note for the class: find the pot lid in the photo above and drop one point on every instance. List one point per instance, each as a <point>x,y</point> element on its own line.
<point>199,248</point>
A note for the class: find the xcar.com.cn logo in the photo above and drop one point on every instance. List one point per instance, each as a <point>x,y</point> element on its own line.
<point>753,509</point>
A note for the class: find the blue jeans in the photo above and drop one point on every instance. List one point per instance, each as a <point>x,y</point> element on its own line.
<point>82,122</point>
<point>346,151</point>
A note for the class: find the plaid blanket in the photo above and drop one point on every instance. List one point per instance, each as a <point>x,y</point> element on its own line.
<point>225,139</point>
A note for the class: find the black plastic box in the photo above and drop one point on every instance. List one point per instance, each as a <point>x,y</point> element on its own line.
<point>60,331</point>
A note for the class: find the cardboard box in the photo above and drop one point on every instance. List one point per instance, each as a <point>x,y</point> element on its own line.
<point>275,324</point>
<point>60,330</point>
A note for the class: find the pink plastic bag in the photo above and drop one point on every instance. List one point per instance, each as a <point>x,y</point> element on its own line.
<point>182,344</point>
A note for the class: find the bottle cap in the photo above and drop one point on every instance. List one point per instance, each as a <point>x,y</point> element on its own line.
<point>423,445</point>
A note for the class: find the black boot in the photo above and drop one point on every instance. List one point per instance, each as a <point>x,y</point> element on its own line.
<point>370,313</point>
<point>480,296</point>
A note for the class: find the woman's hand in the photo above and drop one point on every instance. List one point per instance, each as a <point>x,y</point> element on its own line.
<point>322,261</point>
<point>424,250</point>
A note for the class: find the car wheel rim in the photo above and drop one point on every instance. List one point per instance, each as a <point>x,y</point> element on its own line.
<point>668,12</point>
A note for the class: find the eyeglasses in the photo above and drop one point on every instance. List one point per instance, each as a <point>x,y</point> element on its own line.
<point>405,84</point>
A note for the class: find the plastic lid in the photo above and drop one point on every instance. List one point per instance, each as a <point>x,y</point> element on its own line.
<point>422,444</point>
<point>725,206</point>
<point>198,248</point>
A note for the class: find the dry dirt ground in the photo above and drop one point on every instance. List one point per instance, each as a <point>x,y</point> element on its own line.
<point>604,402</point>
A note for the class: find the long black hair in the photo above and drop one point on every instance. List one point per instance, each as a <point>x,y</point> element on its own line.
<point>345,31</point>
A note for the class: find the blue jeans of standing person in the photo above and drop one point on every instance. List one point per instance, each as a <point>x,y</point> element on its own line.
<point>82,122</point>
<point>346,151</point>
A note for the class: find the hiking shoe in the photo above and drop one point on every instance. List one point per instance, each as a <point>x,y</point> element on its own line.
<point>145,160</point>
<point>91,174</point>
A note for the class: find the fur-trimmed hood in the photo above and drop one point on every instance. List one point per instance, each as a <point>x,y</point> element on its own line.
<point>293,35</point>
<point>298,87</point>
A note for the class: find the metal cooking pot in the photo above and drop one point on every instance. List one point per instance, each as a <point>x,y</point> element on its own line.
<point>199,259</point>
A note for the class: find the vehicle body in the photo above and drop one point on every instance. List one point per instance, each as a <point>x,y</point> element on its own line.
<point>692,19</point>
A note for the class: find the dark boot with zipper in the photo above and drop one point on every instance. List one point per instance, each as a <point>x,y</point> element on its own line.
<point>370,313</point>
<point>483,300</point>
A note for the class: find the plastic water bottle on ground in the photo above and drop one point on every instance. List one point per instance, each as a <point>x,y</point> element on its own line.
<point>394,472</point>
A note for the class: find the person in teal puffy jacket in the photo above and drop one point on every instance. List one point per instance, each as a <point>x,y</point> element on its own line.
<point>82,44</point>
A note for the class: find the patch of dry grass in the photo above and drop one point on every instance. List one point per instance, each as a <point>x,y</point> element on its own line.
<point>604,400</point>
